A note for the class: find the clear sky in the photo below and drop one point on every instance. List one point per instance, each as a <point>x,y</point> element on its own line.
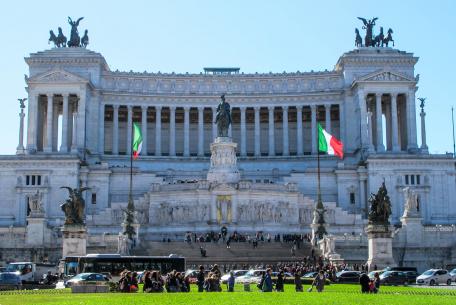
<point>262,36</point>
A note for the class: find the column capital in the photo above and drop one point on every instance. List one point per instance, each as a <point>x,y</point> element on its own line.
<point>144,107</point>
<point>313,107</point>
<point>115,106</point>
<point>50,95</point>
<point>327,106</point>
<point>285,108</point>
<point>130,108</point>
<point>256,108</point>
<point>242,108</point>
<point>65,95</point>
<point>299,107</point>
<point>200,108</point>
<point>172,108</point>
<point>186,108</point>
<point>271,108</point>
<point>158,108</point>
<point>378,95</point>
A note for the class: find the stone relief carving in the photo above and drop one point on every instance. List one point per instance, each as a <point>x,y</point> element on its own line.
<point>167,212</point>
<point>261,211</point>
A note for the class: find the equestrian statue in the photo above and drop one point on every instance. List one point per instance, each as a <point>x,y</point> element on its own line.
<point>74,206</point>
<point>223,118</point>
<point>380,210</point>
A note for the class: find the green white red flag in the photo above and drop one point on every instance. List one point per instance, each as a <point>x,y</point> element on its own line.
<point>329,144</point>
<point>137,140</point>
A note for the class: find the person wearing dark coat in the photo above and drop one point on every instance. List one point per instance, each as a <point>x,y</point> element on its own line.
<point>200,279</point>
<point>297,281</point>
<point>267,284</point>
<point>280,282</point>
<point>364,282</point>
<point>147,282</point>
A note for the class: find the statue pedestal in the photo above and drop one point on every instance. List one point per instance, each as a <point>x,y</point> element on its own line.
<point>74,240</point>
<point>223,167</point>
<point>380,242</point>
<point>36,227</point>
<point>413,229</point>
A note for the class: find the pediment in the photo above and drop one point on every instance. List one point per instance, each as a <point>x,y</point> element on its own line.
<point>56,76</point>
<point>385,76</point>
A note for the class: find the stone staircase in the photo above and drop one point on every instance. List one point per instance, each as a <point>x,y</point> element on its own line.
<point>241,252</point>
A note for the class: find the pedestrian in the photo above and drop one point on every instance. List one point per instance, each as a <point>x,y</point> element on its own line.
<point>319,281</point>
<point>280,281</point>
<point>364,282</point>
<point>297,280</point>
<point>230,282</point>
<point>376,282</point>
<point>228,241</point>
<point>147,287</point>
<point>200,279</point>
<point>267,283</point>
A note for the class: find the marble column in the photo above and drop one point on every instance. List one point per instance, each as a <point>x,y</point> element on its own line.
<point>300,146</point>
<point>362,98</point>
<point>342,122</point>
<point>74,130</point>
<point>200,131</point>
<point>378,116</point>
<point>286,146</point>
<point>64,143</point>
<point>243,133</point>
<point>394,125</point>
<point>115,130</point>
<point>101,130</point>
<point>424,147</point>
<point>328,118</point>
<point>257,134</point>
<point>20,147</point>
<point>158,124</point>
<point>214,125</point>
<point>49,121</point>
<point>411,121</point>
<point>129,129</point>
<point>32,126</point>
<point>271,131</point>
<point>313,109</point>
<point>186,131</point>
<point>172,131</point>
<point>370,132</point>
<point>144,129</point>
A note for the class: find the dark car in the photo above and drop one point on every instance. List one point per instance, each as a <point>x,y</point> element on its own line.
<point>401,269</point>
<point>395,278</point>
<point>348,276</point>
<point>10,280</point>
<point>86,277</point>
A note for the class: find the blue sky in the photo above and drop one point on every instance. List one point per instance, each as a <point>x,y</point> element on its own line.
<point>263,36</point>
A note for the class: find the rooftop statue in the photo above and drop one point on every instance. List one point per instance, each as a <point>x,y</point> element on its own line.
<point>370,39</point>
<point>74,206</point>
<point>358,39</point>
<point>368,26</point>
<point>380,207</point>
<point>223,118</point>
<point>75,40</point>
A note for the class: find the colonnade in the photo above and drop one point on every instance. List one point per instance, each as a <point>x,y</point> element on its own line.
<point>248,128</point>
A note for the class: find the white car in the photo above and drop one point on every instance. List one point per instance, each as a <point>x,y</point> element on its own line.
<point>434,277</point>
<point>453,275</point>
<point>236,273</point>
<point>253,276</point>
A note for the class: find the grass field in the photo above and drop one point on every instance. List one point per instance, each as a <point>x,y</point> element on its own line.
<point>334,294</point>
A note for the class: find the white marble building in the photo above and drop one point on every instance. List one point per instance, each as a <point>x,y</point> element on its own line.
<point>79,121</point>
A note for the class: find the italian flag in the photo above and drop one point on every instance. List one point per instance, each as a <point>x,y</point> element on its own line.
<point>329,144</point>
<point>137,140</point>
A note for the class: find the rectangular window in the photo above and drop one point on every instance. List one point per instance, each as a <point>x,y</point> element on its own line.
<point>33,180</point>
<point>406,179</point>
<point>352,198</point>
<point>27,180</point>
<point>38,180</point>
<point>418,179</point>
<point>94,198</point>
<point>412,179</point>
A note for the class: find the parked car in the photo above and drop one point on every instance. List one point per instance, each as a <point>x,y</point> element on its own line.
<point>411,276</point>
<point>86,277</point>
<point>192,274</point>
<point>253,276</point>
<point>310,274</point>
<point>434,277</point>
<point>453,275</point>
<point>236,274</point>
<point>348,276</point>
<point>400,269</point>
<point>10,280</point>
<point>394,278</point>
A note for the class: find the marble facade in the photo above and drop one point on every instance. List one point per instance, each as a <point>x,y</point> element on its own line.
<point>79,118</point>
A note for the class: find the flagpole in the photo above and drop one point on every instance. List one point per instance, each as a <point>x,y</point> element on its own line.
<point>454,145</point>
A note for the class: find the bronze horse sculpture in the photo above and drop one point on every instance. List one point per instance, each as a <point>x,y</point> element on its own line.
<point>358,39</point>
<point>223,118</point>
<point>380,207</point>
<point>74,206</point>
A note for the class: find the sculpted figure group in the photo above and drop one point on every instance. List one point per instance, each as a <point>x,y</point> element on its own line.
<point>60,40</point>
<point>371,40</point>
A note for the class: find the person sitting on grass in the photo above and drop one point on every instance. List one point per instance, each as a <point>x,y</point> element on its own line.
<point>172,283</point>
<point>267,283</point>
<point>124,283</point>
<point>147,287</point>
<point>133,281</point>
<point>230,282</point>
<point>364,282</point>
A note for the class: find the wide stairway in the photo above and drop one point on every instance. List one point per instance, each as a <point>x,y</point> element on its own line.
<point>241,252</point>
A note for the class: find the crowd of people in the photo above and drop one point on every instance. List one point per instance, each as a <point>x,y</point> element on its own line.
<point>208,278</point>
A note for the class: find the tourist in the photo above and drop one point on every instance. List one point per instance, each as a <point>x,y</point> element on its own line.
<point>156,282</point>
<point>297,280</point>
<point>124,283</point>
<point>228,241</point>
<point>200,278</point>
<point>147,287</point>
<point>230,282</point>
<point>319,281</point>
<point>364,282</point>
<point>172,283</point>
<point>267,283</point>
<point>376,282</point>
<point>134,282</point>
<point>280,281</point>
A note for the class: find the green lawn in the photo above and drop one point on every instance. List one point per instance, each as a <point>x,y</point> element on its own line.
<point>334,294</point>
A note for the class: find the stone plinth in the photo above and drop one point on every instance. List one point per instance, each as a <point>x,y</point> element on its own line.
<point>413,229</point>
<point>223,167</point>
<point>74,240</point>
<point>36,227</point>
<point>380,243</point>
